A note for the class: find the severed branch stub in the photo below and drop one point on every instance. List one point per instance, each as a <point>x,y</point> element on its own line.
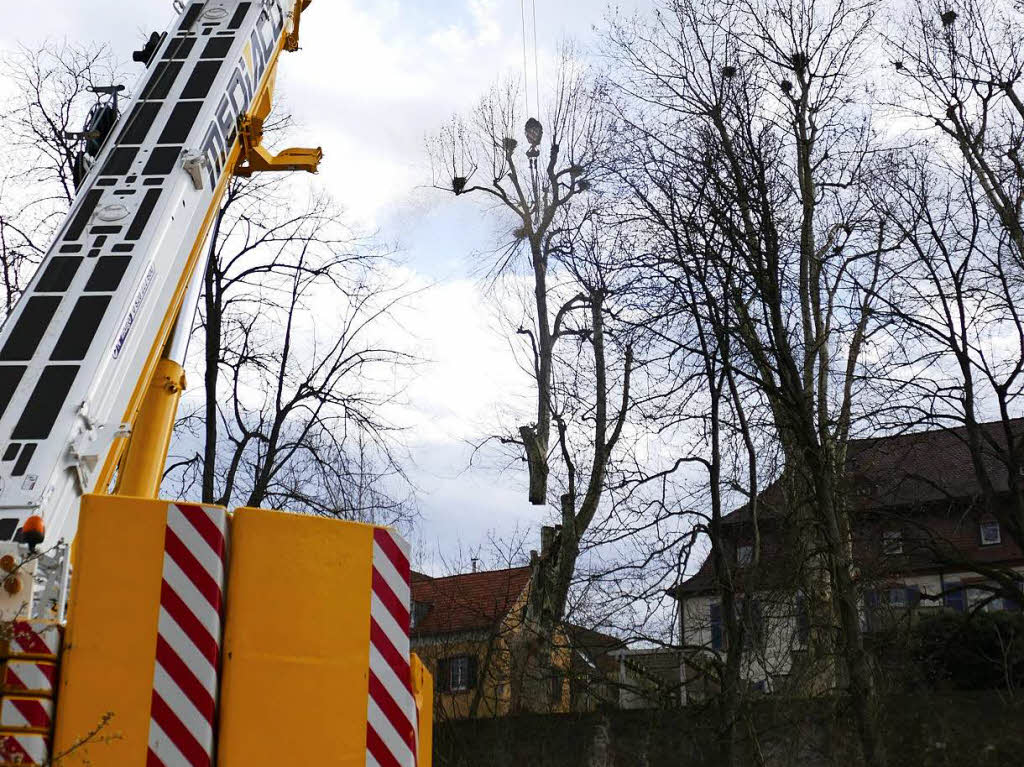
<point>536,461</point>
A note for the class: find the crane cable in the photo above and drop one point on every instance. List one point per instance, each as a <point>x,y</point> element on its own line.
<point>526,70</point>
<point>532,154</point>
<point>536,68</point>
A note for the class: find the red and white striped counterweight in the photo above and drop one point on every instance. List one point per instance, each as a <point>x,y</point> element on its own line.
<point>391,709</point>
<point>188,637</point>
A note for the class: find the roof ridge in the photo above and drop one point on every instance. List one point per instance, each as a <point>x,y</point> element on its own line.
<point>932,429</point>
<point>475,572</point>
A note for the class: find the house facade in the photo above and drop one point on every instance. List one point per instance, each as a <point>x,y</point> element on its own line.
<point>922,540</point>
<point>466,628</point>
<point>462,629</point>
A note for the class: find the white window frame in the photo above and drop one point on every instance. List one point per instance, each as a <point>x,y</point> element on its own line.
<point>892,542</point>
<point>458,667</point>
<point>981,532</point>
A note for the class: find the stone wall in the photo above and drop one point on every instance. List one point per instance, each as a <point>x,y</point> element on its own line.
<point>983,730</point>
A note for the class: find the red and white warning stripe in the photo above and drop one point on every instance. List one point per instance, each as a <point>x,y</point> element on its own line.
<point>24,748</point>
<point>188,639</point>
<point>20,713</point>
<point>391,709</point>
<point>34,639</point>
<point>37,677</point>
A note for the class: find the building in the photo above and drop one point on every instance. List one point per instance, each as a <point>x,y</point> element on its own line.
<point>465,629</point>
<point>650,678</point>
<point>922,539</point>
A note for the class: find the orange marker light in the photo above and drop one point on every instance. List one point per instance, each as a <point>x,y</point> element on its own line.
<point>33,531</point>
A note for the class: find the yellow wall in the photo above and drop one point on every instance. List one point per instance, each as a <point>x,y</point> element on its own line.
<point>493,652</point>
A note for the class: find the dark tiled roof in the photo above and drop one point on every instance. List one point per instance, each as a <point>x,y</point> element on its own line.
<point>899,472</point>
<point>909,469</point>
<point>924,467</point>
<point>596,647</point>
<point>468,602</point>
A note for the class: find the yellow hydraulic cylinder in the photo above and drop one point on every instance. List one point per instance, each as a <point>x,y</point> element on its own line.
<point>142,468</point>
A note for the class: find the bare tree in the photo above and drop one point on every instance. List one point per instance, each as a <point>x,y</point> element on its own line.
<point>756,102</point>
<point>294,322</point>
<point>50,97</point>
<point>958,201</point>
<point>579,355</point>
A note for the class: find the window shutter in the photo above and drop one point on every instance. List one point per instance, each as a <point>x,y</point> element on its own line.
<point>954,600</point>
<point>444,675</point>
<point>803,620</point>
<point>716,627</point>
<point>471,673</point>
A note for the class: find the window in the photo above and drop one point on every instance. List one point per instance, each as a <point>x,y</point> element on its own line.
<point>456,674</point>
<point>897,597</point>
<point>744,555</point>
<point>460,673</point>
<point>990,533</point>
<point>985,598</point>
<point>419,612</point>
<point>883,606</point>
<point>716,627</point>
<point>892,542</point>
<point>557,688</point>
<point>954,597</point>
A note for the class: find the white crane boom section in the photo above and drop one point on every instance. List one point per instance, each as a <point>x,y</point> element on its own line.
<point>77,351</point>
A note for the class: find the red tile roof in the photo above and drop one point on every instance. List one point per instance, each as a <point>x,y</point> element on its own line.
<point>468,602</point>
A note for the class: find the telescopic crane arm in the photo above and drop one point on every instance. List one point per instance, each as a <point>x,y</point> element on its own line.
<point>296,648</point>
<point>87,340</point>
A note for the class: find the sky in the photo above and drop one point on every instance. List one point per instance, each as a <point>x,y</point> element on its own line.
<point>373,79</point>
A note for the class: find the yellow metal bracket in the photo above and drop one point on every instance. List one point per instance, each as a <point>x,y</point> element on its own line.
<point>291,40</point>
<point>142,464</point>
<point>255,158</point>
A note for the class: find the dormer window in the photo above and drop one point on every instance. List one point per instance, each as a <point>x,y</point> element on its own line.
<point>892,542</point>
<point>990,533</point>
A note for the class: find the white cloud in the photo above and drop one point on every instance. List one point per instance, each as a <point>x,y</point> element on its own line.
<point>373,77</point>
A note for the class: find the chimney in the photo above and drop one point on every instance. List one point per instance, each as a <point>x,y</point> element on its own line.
<point>547,537</point>
<point>475,562</point>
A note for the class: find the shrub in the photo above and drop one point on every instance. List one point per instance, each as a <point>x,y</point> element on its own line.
<point>970,652</point>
